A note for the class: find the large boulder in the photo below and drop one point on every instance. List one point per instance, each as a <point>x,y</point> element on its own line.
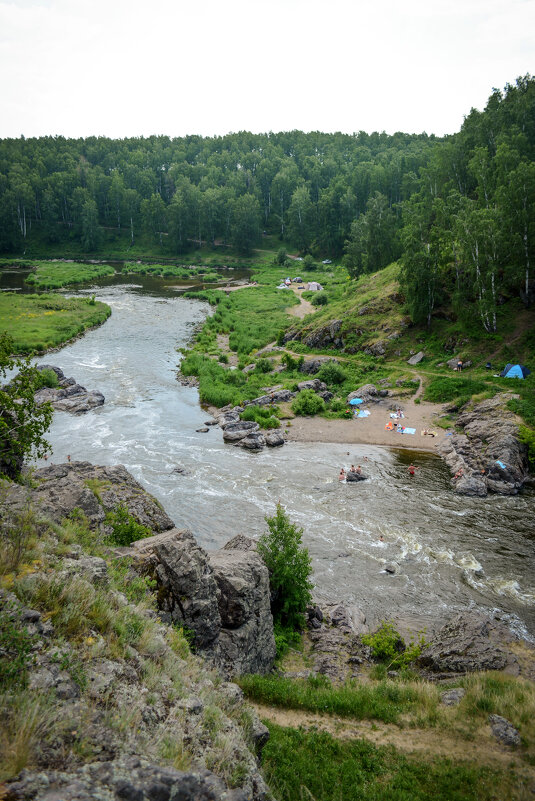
<point>313,383</point>
<point>488,456</point>
<point>471,642</point>
<point>417,358</point>
<point>69,396</point>
<point>274,438</point>
<point>254,441</point>
<point>223,598</point>
<point>246,641</point>
<point>233,432</point>
<point>369,394</point>
<point>60,489</point>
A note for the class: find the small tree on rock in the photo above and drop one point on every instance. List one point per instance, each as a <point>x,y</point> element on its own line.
<point>23,422</point>
<point>289,568</point>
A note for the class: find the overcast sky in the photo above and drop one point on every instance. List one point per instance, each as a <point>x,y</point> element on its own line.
<point>127,68</point>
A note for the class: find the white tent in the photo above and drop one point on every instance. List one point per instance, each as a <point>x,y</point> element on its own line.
<point>313,286</point>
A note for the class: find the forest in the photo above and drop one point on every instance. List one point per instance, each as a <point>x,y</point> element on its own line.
<point>457,213</point>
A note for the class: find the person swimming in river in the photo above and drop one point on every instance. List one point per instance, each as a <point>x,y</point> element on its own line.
<point>412,469</point>
<point>342,474</point>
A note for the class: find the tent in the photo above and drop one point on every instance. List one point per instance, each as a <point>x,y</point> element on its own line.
<point>356,401</point>
<point>515,371</point>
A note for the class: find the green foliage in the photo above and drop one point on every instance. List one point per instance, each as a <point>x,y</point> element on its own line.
<point>385,701</point>
<point>448,388</point>
<point>48,378</point>
<point>23,423</point>
<point>332,373</point>
<point>309,263</point>
<point>388,646</point>
<point>308,403</point>
<point>259,414</point>
<point>289,568</point>
<point>285,638</point>
<point>54,275</point>
<point>15,650</point>
<point>311,764</point>
<point>263,366</point>
<point>39,322</point>
<point>281,257</point>
<point>125,529</point>
<point>527,436</point>
<point>320,299</point>
<point>291,364</point>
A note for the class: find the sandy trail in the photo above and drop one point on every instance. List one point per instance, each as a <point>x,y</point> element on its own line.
<point>305,306</point>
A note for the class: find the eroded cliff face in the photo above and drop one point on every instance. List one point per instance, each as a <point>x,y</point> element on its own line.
<point>488,456</point>
<point>119,706</point>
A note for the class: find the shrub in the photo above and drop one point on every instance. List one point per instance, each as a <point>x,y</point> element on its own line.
<point>290,363</point>
<point>289,568</point>
<point>527,436</point>
<point>332,373</point>
<point>125,529</point>
<point>309,263</point>
<point>223,358</point>
<point>320,299</point>
<point>338,405</point>
<point>15,650</point>
<point>259,414</point>
<point>263,366</point>
<point>388,646</point>
<point>47,378</point>
<point>308,403</point>
<point>282,257</point>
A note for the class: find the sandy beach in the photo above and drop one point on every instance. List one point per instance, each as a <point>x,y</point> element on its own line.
<point>371,430</point>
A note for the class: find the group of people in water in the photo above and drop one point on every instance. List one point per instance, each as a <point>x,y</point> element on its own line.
<point>342,475</point>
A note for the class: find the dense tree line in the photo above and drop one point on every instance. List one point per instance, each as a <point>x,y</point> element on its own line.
<point>306,188</point>
<point>458,212</point>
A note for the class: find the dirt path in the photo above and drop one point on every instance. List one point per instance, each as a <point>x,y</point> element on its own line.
<point>483,748</point>
<point>305,306</point>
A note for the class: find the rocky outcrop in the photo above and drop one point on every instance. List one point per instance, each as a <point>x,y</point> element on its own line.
<point>326,337</point>
<point>246,433</point>
<point>61,489</point>
<point>314,384</point>
<point>354,476</point>
<point>417,358</point>
<point>223,597</point>
<point>471,642</point>
<point>487,456</point>
<point>130,778</point>
<point>369,394</point>
<point>70,397</point>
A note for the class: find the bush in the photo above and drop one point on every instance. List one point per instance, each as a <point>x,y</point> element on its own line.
<point>259,414</point>
<point>263,366</point>
<point>281,258</point>
<point>320,299</point>
<point>47,378</point>
<point>289,568</point>
<point>388,646</point>
<point>290,363</point>
<point>332,373</point>
<point>125,529</point>
<point>527,436</point>
<point>15,650</point>
<point>338,405</point>
<point>309,263</point>
<point>308,403</point>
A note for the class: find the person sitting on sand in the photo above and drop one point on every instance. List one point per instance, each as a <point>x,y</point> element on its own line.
<point>342,474</point>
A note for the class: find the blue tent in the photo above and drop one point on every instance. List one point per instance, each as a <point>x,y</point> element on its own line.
<point>356,401</point>
<point>515,371</point>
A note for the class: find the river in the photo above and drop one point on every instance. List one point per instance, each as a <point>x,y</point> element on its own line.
<point>452,552</point>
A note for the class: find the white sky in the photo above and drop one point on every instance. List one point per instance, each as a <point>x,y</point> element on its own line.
<point>127,68</point>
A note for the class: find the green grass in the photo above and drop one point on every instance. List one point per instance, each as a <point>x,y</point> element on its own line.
<point>447,388</point>
<point>55,275</point>
<point>39,322</point>
<point>172,271</point>
<point>384,701</point>
<point>304,765</point>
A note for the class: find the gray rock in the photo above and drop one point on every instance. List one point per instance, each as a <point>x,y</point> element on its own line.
<point>246,641</point>
<point>240,542</point>
<point>70,397</point>
<point>417,358</point>
<point>313,383</point>
<point>391,567</point>
<point>254,441</point>
<point>277,396</point>
<point>233,432</point>
<point>468,643</point>
<point>326,336</point>
<point>355,476</point>
<point>92,568</point>
<point>452,697</point>
<point>192,704</point>
<point>368,393</point>
<point>490,436</point>
<point>202,430</point>
<point>274,438</point>
<point>504,731</point>
<point>62,488</point>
